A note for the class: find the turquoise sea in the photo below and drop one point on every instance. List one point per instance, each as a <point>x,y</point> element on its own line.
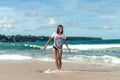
<point>84,51</point>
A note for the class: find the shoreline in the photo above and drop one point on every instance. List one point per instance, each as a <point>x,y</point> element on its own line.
<point>34,70</point>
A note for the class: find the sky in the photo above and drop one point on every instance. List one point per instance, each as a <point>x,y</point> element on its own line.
<point>85,18</point>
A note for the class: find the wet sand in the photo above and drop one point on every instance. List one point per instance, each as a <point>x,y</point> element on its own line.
<point>35,70</point>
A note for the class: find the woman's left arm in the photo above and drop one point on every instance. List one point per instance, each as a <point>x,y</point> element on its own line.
<point>67,45</point>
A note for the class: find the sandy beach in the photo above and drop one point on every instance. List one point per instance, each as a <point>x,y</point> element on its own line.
<point>35,70</point>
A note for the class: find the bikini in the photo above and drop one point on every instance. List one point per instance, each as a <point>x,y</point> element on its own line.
<point>55,48</point>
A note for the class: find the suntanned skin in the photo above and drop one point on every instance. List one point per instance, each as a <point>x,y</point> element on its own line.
<point>57,53</point>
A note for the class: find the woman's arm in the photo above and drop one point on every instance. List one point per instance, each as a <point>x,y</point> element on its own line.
<point>48,42</point>
<point>67,45</point>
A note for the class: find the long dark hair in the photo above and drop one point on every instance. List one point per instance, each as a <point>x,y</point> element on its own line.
<point>58,29</point>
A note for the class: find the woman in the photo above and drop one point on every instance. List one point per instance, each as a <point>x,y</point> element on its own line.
<point>59,37</point>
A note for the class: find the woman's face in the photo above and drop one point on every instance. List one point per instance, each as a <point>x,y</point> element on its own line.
<point>60,29</point>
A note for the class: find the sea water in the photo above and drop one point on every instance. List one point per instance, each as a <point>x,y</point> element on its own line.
<point>83,51</point>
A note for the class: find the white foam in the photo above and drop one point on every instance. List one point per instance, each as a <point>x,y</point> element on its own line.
<point>14,57</point>
<point>59,71</point>
<point>93,59</point>
<point>92,46</point>
<point>13,44</point>
<point>34,46</point>
<point>80,46</point>
<point>89,46</point>
<point>85,59</point>
<point>45,59</point>
<point>115,60</point>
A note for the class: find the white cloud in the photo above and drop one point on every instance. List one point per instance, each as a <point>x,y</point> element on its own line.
<point>6,24</point>
<point>6,8</point>
<point>106,28</point>
<point>106,17</point>
<point>32,14</point>
<point>70,5</point>
<point>70,23</point>
<point>99,28</point>
<point>97,9</point>
<point>47,23</point>
<point>52,21</point>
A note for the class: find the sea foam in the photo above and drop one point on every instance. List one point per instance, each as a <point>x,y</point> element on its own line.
<point>93,46</point>
<point>14,57</point>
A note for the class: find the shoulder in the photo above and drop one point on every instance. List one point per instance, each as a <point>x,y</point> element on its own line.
<point>53,34</point>
<point>64,36</point>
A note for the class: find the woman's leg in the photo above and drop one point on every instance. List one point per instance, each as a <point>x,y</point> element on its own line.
<point>60,58</point>
<point>56,57</point>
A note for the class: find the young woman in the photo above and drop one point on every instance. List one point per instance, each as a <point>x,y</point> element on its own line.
<point>59,37</point>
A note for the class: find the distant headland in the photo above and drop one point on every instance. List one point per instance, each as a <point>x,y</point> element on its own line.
<point>31,38</point>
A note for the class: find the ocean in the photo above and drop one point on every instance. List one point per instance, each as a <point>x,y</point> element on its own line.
<point>106,52</point>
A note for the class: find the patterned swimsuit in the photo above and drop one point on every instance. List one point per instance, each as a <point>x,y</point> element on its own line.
<point>58,40</point>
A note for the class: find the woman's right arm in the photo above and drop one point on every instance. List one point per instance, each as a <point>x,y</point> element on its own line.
<point>48,42</point>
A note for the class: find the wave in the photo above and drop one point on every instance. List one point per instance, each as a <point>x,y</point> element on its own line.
<point>107,60</point>
<point>14,57</point>
<point>33,46</point>
<point>19,46</point>
<point>30,46</point>
<point>80,46</point>
<point>94,59</point>
<point>93,46</point>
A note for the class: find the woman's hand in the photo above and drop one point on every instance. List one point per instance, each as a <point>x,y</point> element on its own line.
<point>48,42</point>
<point>45,46</point>
<point>68,49</point>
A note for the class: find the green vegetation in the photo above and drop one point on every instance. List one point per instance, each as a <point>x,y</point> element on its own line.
<point>30,38</point>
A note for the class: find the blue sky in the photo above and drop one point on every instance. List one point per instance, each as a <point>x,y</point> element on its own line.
<point>89,18</point>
